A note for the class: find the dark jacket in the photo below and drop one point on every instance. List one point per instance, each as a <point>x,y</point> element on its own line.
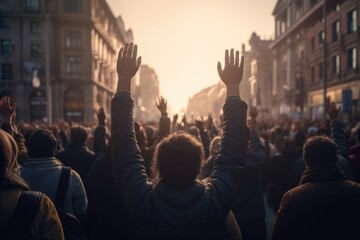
<point>197,212</point>
<point>324,206</point>
<point>78,157</point>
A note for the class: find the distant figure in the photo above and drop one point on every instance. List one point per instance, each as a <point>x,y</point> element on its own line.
<point>325,205</point>
<point>77,155</point>
<point>42,172</point>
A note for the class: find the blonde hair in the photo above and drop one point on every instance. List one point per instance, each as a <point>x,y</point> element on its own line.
<point>9,166</point>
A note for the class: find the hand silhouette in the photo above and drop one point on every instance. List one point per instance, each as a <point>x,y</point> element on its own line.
<point>127,66</point>
<point>7,110</point>
<point>161,104</point>
<point>101,116</point>
<point>232,73</point>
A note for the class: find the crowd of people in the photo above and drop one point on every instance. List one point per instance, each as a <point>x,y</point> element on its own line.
<point>179,179</point>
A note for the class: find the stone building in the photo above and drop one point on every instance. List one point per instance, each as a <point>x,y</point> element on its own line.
<point>260,59</point>
<point>62,51</point>
<point>147,93</point>
<point>299,50</point>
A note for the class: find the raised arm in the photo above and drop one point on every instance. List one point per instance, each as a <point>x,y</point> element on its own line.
<point>164,123</point>
<point>128,164</point>
<point>99,145</point>
<point>230,161</point>
<point>7,112</point>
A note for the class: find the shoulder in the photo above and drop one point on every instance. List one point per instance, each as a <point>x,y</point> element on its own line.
<point>47,224</point>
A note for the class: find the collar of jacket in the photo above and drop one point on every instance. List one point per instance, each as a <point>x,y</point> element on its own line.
<point>183,198</point>
<point>323,174</point>
<point>43,162</point>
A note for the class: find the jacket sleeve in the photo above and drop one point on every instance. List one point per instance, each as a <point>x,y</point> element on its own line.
<point>164,127</point>
<point>205,140</point>
<point>338,134</point>
<point>230,161</point>
<point>99,140</point>
<point>47,224</point>
<point>79,197</point>
<point>128,165</point>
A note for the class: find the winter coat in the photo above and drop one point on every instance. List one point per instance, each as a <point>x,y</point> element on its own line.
<point>43,174</point>
<point>324,206</point>
<point>46,225</point>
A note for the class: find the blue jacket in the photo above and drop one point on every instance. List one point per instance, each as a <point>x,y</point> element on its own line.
<point>159,212</point>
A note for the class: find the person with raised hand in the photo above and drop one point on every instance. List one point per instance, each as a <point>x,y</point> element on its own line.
<point>177,205</point>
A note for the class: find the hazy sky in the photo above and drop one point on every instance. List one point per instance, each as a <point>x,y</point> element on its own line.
<point>182,40</point>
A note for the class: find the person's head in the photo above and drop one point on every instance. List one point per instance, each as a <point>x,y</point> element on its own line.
<point>312,131</point>
<point>215,145</point>
<point>178,159</point>
<point>194,131</point>
<point>9,177</point>
<point>41,143</point>
<point>319,151</point>
<point>78,135</point>
<point>150,134</point>
<point>140,135</point>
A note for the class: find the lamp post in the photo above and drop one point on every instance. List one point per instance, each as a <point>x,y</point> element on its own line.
<point>47,65</point>
<point>324,61</point>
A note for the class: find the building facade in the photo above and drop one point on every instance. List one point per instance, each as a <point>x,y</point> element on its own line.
<point>58,58</point>
<point>309,56</point>
<point>260,58</point>
<point>147,93</point>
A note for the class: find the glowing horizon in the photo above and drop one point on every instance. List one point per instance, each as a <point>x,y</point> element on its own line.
<point>183,40</point>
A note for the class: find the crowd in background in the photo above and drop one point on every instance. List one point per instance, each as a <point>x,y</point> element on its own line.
<point>273,164</point>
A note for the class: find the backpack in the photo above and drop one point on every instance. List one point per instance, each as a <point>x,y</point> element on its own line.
<point>71,225</point>
<point>18,226</point>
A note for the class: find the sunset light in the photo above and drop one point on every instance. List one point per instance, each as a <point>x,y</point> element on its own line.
<point>183,40</point>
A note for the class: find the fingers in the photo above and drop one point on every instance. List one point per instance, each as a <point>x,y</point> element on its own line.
<point>226,58</point>
<point>242,66</point>
<point>138,62</point>
<point>134,53</point>
<point>121,52</point>
<point>237,59</point>
<point>232,56</point>
<point>219,68</point>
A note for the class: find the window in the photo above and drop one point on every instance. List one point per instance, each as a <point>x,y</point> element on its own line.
<point>336,64</point>
<point>35,50</point>
<point>73,64</point>
<point>312,43</point>
<point>352,21</point>
<point>32,5</point>
<point>312,74</point>
<point>321,70</point>
<point>73,39</point>
<point>73,6</point>
<point>6,46</point>
<point>35,27</point>
<point>335,30</point>
<point>351,58</point>
<point>6,71</point>
<point>5,23</point>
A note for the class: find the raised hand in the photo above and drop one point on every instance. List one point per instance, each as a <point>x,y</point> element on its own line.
<point>7,110</point>
<point>199,122</point>
<point>175,118</point>
<point>127,66</point>
<point>161,104</point>
<point>332,110</point>
<point>232,73</point>
<point>253,112</point>
<point>101,116</point>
